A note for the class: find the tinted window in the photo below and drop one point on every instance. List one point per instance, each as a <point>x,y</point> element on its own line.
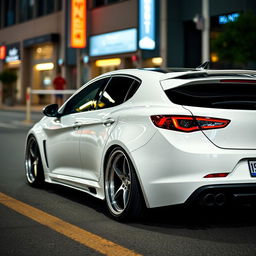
<point>219,95</point>
<point>132,90</point>
<point>115,92</point>
<point>86,99</point>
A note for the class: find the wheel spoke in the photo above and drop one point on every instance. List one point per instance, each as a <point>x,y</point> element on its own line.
<point>33,150</point>
<point>119,174</point>
<point>126,168</point>
<point>35,164</point>
<point>125,197</point>
<point>117,193</point>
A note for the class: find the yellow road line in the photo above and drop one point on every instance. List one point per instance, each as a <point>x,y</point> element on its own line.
<point>82,236</point>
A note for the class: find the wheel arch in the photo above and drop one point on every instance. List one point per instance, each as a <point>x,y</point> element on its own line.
<point>107,154</point>
<point>39,137</point>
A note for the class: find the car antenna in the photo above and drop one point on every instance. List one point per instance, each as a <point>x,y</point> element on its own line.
<point>205,65</point>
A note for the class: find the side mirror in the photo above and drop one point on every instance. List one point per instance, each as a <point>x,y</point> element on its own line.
<point>51,110</point>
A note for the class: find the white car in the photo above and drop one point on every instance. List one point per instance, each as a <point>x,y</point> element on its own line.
<point>151,137</point>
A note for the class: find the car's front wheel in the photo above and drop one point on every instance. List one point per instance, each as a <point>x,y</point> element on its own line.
<point>123,196</point>
<point>33,163</point>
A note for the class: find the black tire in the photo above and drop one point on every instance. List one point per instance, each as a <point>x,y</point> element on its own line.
<point>33,163</point>
<point>122,190</point>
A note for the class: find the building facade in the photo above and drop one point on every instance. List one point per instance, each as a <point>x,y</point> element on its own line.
<point>184,37</point>
<point>36,37</point>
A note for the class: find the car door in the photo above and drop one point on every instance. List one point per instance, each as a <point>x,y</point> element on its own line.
<point>63,134</point>
<point>96,126</point>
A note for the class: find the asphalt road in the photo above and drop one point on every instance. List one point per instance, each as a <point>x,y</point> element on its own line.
<point>168,231</point>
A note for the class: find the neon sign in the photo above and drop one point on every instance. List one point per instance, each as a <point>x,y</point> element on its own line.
<point>2,52</point>
<point>147,24</point>
<point>78,24</point>
<point>223,19</point>
<point>12,52</point>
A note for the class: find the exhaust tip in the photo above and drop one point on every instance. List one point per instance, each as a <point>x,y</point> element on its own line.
<point>220,199</point>
<point>209,200</point>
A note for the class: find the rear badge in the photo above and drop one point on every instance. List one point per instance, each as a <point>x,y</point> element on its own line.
<point>252,168</point>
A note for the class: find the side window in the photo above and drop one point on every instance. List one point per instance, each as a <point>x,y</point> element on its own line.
<point>116,92</point>
<point>132,90</point>
<point>86,99</point>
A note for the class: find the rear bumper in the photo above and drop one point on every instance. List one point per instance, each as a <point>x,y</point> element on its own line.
<point>220,195</point>
<point>171,170</point>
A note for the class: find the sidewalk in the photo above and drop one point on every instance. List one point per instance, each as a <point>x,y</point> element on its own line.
<point>22,108</point>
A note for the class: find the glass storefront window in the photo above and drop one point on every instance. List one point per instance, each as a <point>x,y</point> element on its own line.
<point>26,9</point>
<point>43,52</point>
<point>44,7</point>
<point>1,13</point>
<point>40,7</point>
<point>9,13</point>
<point>98,3</point>
<point>59,5</point>
<point>49,6</point>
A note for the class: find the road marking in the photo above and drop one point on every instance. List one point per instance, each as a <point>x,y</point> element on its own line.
<point>77,234</point>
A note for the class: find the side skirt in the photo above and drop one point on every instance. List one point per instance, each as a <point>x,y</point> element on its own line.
<point>90,187</point>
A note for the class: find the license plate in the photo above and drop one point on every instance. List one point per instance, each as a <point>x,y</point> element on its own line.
<point>252,168</point>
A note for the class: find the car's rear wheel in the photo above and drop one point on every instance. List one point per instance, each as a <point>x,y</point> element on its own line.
<point>33,163</point>
<point>123,196</point>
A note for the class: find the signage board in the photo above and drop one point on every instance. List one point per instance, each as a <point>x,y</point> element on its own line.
<point>2,52</point>
<point>147,24</point>
<point>12,52</point>
<point>122,41</point>
<point>78,24</point>
<point>223,19</point>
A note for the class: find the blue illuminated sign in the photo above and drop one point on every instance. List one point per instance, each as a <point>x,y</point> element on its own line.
<point>147,24</point>
<point>113,43</point>
<point>223,19</point>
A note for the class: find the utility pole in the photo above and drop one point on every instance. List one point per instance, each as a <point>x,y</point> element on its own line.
<point>163,32</point>
<point>206,31</point>
<point>78,68</point>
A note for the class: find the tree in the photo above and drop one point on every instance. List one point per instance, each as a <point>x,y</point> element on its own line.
<point>236,44</point>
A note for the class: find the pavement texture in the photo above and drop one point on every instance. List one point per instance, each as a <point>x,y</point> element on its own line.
<point>161,232</point>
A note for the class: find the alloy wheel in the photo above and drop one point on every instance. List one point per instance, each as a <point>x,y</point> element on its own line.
<point>118,182</point>
<point>32,161</point>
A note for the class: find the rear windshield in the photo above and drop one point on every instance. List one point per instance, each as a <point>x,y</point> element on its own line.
<point>215,95</point>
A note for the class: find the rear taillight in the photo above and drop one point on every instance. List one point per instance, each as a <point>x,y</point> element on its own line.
<point>188,123</point>
<point>217,175</point>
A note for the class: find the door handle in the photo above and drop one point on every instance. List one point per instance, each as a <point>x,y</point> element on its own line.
<point>76,125</point>
<point>109,121</point>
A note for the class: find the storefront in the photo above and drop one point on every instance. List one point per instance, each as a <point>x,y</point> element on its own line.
<point>12,93</point>
<point>116,50</point>
<point>42,55</point>
<point>111,51</point>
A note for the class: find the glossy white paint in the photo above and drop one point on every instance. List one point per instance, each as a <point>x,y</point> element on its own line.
<point>170,165</point>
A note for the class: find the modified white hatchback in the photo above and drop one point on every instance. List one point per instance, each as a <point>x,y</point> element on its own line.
<point>151,137</point>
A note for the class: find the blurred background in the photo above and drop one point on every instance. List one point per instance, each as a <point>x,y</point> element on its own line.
<point>82,39</point>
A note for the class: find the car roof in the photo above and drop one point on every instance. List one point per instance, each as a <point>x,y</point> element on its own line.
<point>182,73</point>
